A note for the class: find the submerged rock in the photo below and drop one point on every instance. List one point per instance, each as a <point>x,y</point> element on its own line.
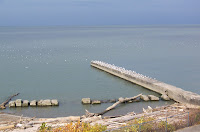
<point>153,98</point>
<point>12,104</point>
<point>18,102</point>
<point>33,103</point>
<point>96,102</point>
<point>25,103</point>
<point>165,97</point>
<point>144,97</point>
<point>86,100</point>
<point>121,99</point>
<point>112,101</point>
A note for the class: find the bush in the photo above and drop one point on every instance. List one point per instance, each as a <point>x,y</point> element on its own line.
<point>74,127</point>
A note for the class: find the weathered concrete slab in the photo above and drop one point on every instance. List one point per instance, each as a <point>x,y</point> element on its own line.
<point>18,102</point>
<point>54,102</point>
<point>153,98</point>
<point>96,102</point>
<point>25,103</point>
<point>33,103</point>
<point>144,97</point>
<point>12,104</point>
<point>46,102</point>
<point>86,100</point>
<point>39,103</point>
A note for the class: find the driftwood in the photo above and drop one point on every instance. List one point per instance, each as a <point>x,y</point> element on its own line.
<point>6,127</point>
<point>122,100</point>
<point>128,117</point>
<point>3,105</point>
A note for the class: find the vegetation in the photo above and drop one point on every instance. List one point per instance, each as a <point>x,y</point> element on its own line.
<point>144,124</point>
<point>74,127</point>
<point>149,124</point>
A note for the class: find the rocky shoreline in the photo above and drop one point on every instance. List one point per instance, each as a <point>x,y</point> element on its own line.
<point>13,123</point>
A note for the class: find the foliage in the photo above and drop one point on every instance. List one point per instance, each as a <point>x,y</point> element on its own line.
<point>162,126</point>
<point>74,127</point>
<point>195,117</point>
<point>136,127</point>
<point>45,128</point>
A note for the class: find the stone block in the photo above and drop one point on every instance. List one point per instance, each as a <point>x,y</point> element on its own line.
<point>86,100</point>
<point>33,103</point>
<point>153,98</point>
<point>144,97</point>
<point>18,102</point>
<point>96,102</point>
<point>25,103</point>
<point>46,102</point>
<point>54,102</point>
<point>12,104</point>
<point>39,103</point>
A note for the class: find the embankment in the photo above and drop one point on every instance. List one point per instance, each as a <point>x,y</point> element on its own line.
<point>173,92</point>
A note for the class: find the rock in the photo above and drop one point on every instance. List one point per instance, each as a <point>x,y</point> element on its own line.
<point>39,103</point>
<point>27,126</point>
<point>131,113</point>
<point>23,126</point>
<point>121,99</point>
<point>46,102</point>
<point>165,97</point>
<point>33,103</point>
<point>18,102</point>
<point>54,102</point>
<point>144,110</point>
<point>19,125</point>
<point>112,100</point>
<point>181,110</point>
<point>74,118</point>
<point>25,103</point>
<point>130,101</point>
<point>136,100</point>
<point>96,102</point>
<point>12,104</point>
<point>86,100</point>
<point>148,110</point>
<point>144,97</point>
<point>153,98</point>
<point>91,119</point>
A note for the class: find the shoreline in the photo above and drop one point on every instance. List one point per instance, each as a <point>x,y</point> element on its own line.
<point>31,124</point>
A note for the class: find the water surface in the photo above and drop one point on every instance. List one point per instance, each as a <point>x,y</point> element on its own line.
<point>54,63</point>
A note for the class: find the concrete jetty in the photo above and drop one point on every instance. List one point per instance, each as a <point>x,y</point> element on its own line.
<point>175,93</point>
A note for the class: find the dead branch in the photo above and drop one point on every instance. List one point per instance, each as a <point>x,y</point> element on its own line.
<point>118,102</point>
<point>3,105</point>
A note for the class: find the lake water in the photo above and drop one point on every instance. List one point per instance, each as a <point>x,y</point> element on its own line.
<point>54,63</point>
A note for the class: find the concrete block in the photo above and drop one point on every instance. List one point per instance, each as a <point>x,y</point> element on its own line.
<point>86,100</point>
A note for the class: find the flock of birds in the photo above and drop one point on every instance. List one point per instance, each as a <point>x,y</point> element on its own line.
<point>122,70</point>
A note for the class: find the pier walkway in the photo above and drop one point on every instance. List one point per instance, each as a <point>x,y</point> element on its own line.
<point>173,92</point>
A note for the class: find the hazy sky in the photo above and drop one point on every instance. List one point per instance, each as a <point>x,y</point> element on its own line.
<point>98,12</point>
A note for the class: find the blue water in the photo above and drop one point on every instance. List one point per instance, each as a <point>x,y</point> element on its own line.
<point>54,63</point>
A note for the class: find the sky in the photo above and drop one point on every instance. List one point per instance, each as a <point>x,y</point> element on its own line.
<point>98,12</point>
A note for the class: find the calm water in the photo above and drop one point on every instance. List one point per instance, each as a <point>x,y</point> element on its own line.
<point>54,63</point>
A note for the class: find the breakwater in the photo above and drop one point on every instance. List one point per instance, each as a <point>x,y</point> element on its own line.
<point>175,93</point>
